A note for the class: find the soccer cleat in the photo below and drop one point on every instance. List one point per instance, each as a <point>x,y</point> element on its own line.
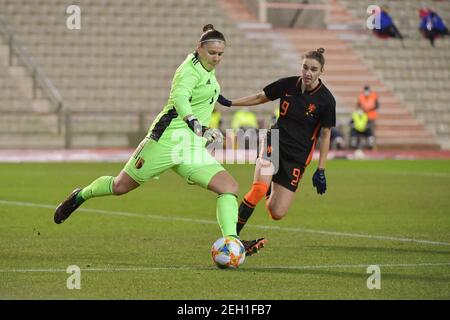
<point>65,208</point>
<point>253,246</point>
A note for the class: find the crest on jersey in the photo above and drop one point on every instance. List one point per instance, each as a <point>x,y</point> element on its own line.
<point>311,109</point>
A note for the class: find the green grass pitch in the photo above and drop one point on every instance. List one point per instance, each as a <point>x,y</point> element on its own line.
<point>154,243</point>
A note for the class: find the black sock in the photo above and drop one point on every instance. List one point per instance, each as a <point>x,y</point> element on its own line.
<point>245,212</point>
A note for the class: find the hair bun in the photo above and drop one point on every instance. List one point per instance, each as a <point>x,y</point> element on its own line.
<point>320,50</point>
<point>208,27</point>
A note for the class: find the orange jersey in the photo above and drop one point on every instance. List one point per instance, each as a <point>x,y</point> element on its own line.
<point>368,104</point>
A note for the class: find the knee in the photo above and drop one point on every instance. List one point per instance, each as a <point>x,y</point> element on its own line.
<point>275,213</point>
<point>232,187</point>
<point>120,188</point>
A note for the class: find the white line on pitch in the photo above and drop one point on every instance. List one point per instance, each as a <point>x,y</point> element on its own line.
<point>105,269</point>
<point>401,173</point>
<point>306,267</point>
<point>171,218</point>
<point>354,266</point>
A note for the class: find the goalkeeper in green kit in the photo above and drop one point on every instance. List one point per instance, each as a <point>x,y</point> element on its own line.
<point>176,140</point>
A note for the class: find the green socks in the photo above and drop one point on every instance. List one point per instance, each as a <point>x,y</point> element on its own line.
<point>227,213</point>
<point>103,186</point>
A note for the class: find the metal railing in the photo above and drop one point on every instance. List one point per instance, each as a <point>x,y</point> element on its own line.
<point>264,5</point>
<point>139,130</point>
<point>39,79</point>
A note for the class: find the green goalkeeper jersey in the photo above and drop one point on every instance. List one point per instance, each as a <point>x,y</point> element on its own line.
<point>194,91</point>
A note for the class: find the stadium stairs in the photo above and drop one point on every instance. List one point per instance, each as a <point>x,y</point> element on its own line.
<point>417,73</point>
<point>26,121</point>
<point>347,71</point>
<point>114,74</point>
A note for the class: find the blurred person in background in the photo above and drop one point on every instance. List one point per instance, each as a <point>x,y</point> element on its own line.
<point>387,29</point>
<point>368,102</point>
<point>216,120</point>
<point>432,25</point>
<point>360,130</point>
<point>246,122</point>
<point>337,138</point>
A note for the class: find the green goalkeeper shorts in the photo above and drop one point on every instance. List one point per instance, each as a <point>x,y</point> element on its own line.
<point>189,160</point>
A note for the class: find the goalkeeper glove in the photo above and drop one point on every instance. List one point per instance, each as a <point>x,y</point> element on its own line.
<point>224,101</point>
<point>319,181</point>
<point>210,134</point>
<point>195,125</point>
<point>213,135</point>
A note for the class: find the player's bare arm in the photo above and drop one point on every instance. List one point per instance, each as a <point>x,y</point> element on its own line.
<point>325,136</point>
<point>319,181</point>
<point>252,100</point>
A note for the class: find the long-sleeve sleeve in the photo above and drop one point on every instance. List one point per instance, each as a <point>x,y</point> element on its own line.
<point>183,85</point>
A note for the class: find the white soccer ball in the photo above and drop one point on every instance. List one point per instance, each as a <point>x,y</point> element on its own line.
<point>228,252</point>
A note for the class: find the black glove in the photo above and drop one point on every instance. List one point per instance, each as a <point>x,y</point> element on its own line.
<point>224,101</point>
<point>319,181</point>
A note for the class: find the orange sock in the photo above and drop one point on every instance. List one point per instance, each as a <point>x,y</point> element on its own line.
<point>256,193</point>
